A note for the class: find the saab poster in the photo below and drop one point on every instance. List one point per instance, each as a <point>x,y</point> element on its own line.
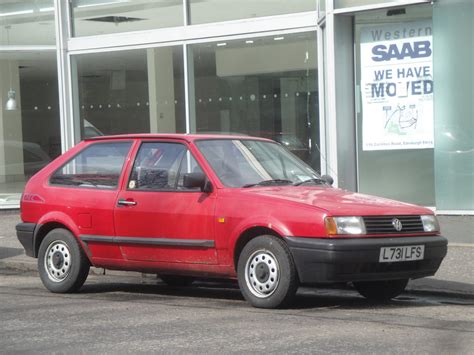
<point>397,86</point>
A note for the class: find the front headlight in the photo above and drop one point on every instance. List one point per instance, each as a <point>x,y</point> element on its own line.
<point>345,225</point>
<point>430,223</point>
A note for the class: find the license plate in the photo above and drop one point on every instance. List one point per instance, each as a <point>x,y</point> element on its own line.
<point>405,253</point>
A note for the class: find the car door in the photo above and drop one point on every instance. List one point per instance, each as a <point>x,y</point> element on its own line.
<point>156,217</point>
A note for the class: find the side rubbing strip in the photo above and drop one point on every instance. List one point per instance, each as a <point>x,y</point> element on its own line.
<point>193,243</point>
<point>96,238</point>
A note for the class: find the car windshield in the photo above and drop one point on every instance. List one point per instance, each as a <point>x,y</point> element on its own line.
<point>248,163</point>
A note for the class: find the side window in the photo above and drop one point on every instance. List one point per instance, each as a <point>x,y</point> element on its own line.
<point>188,165</point>
<point>97,166</point>
<point>156,166</point>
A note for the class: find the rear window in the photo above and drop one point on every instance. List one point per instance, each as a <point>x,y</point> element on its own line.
<point>97,166</point>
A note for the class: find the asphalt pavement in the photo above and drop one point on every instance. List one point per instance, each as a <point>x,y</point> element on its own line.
<point>454,278</point>
<point>113,315</point>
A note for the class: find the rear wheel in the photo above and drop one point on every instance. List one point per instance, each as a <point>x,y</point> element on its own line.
<point>266,273</point>
<point>62,264</point>
<point>381,290</point>
<point>177,280</point>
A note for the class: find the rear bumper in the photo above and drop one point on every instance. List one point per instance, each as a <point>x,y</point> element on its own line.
<point>323,260</point>
<point>25,233</point>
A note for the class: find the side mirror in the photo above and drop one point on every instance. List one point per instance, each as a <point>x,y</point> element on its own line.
<point>327,179</point>
<point>192,180</point>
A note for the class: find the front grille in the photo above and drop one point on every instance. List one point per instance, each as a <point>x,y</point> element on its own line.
<point>385,225</point>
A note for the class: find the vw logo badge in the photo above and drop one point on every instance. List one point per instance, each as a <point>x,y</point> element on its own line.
<point>397,224</point>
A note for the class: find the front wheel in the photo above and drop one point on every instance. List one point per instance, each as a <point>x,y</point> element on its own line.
<point>381,290</point>
<point>266,273</point>
<point>62,264</point>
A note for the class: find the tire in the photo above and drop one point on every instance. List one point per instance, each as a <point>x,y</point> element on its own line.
<point>381,290</point>
<point>62,264</point>
<point>176,280</point>
<point>266,273</point>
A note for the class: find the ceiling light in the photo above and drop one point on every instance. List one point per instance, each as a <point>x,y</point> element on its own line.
<point>11,102</point>
<point>278,38</point>
<point>249,41</point>
<point>92,3</point>
<point>221,44</point>
<point>13,13</point>
<point>114,19</point>
<point>395,12</point>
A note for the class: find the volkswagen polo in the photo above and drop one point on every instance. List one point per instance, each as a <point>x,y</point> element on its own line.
<point>194,206</point>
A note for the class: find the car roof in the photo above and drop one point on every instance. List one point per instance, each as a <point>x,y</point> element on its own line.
<point>183,136</point>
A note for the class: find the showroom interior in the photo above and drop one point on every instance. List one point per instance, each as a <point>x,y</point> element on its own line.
<point>377,94</point>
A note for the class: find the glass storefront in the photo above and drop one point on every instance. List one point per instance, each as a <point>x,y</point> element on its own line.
<point>27,22</point>
<point>178,66</point>
<point>29,135</point>
<point>454,105</point>
<point>205,11</point>
<point>96,17</point>
<point>131,91</point>
<point>264,86</point>
<point>354,3</point>
<point>395,119</point>
<point>29,112</point>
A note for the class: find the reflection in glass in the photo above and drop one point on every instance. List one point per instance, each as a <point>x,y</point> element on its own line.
<point>204,11</point>
<point>454,110</point>
<point>131,91</point>
<point>30,134</point>
<point>96,17</point>
<point>401,174</point>
<point>97,166</point>
<point>27,22</point>
<point>249,163</point>
<point>156,166</point>
<point>353,3</point>
<point>264,87</point>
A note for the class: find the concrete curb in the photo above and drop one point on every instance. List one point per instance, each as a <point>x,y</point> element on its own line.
<point>25,264</point>
<point>430,285</point>
<point>425,286</point>
<point>440,293</point>
<point>18,264</point>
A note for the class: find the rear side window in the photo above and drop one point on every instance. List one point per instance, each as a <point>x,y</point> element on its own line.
<point>97,166</point>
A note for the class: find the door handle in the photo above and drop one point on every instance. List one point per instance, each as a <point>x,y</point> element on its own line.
<point>123,202</point>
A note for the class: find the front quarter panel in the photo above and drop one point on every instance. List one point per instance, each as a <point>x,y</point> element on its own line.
<point>238,212</point>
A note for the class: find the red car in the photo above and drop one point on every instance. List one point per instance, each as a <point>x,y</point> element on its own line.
<point>187,206</point>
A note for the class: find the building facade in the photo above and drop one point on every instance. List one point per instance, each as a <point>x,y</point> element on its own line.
<point>377,94</point>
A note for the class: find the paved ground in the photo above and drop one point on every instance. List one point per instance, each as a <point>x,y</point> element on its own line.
<point>117,314</point>
<point>459,229</point>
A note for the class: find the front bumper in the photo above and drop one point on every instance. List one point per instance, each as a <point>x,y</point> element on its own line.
<point>25,233</point>
<point>324,260</point>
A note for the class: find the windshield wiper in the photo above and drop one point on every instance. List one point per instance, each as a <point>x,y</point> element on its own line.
<point>317,181</point>
<point>270,182</point>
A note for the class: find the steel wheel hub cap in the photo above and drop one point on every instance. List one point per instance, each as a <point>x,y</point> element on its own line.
<point>262,273</point>
<point>57,261</point>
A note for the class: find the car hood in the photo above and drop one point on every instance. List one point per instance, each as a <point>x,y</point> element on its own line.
<point>337,201</point>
